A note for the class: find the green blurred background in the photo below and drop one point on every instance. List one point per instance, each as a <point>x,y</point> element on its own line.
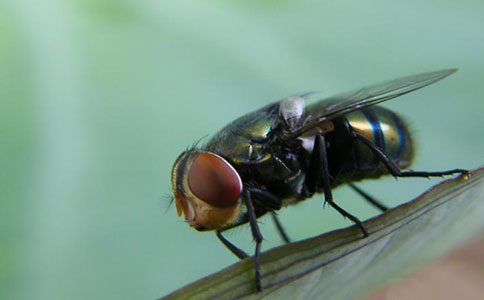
<point>99,97</point>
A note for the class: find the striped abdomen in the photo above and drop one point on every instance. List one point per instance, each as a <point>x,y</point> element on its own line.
<point>387,131</point>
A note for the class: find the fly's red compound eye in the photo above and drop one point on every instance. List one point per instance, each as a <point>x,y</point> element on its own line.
<point>214,181</point>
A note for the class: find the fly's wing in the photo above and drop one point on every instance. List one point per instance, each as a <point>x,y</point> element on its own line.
<point>344,103</point>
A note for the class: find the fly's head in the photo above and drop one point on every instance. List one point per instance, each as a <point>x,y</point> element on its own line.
<point>207,189</point>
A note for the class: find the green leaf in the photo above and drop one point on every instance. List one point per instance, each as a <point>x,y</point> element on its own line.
<point>343,265</point>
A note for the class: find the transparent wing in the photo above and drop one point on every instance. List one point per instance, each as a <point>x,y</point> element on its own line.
<point>344,103</point>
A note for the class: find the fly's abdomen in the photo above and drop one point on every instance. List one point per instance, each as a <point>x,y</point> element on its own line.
<point>387,131</point>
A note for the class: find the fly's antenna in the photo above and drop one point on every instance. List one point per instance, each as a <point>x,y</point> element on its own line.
<point>170,199</point>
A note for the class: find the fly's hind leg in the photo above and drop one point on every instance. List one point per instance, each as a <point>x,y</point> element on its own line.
<point>320,171</point>
<point>368,198</point>
<point>394,169</point>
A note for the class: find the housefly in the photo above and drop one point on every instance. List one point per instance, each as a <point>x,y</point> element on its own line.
<point>286,152</point>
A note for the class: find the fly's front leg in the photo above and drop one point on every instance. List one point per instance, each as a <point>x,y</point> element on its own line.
<point>393,167</point>
<point>267,197</point>
<point>271,202</point>
<point>256,234</point>
<point>234,249</point>
<point>320,156</point>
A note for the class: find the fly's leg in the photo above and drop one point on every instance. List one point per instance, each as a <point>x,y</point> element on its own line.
<point>393,167</point>
<point>271,202</point>
<point>280,229</point>
<point>256,234</point>
<point>320,155</point>
<point>368,198</point>
<point>234,249</point>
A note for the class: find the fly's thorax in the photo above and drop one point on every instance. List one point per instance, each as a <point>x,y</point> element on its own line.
<point>307,139</point>
<point>386,130</point>
<point>245,139</point>
<point>207,189</point>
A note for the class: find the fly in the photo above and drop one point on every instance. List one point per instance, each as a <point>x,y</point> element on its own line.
<point>286,152</point>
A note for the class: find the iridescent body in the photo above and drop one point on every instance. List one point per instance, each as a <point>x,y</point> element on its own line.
<point>286,152</point>
<point>282,170</point>
<point>270,154</point>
